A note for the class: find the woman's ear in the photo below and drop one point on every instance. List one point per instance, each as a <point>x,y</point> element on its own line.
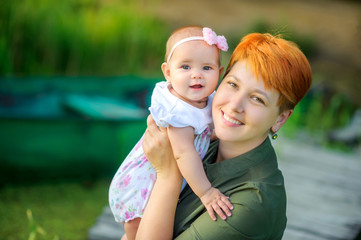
<point>282,118</point>
<point>166,71</point>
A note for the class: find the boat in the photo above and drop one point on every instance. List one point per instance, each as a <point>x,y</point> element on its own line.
<point>69,127</point>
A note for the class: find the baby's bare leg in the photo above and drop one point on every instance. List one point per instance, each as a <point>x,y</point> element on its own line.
<point>124,237</point>
<point>131,228</point>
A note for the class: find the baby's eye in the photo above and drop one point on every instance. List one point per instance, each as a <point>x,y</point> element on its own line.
<point>207,67</point>
<point>185,67</point>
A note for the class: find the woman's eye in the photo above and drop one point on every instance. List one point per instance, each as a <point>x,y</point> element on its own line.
<point>185,67</point>
<point>232,84</point>
<point>258,100</point>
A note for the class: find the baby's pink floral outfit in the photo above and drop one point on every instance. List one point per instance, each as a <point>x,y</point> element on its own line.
<point>131,186</point>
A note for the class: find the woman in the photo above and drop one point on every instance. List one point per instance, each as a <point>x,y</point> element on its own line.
<point>265,79</point>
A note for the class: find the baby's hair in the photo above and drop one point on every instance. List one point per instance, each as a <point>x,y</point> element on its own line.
<point>181,33</point>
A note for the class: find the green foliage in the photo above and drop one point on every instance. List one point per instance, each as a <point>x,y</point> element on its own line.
<point>62,210</point>
<point>305,42</point>
<point>79,37</point>
<point>325,113</point>
<point>318,114</point>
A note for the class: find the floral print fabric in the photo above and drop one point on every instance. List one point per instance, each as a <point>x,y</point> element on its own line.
<point>131,186</point>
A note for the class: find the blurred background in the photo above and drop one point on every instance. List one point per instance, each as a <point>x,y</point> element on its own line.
<point>76,78</point>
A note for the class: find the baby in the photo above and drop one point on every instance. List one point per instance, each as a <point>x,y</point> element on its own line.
<point>183,105</point>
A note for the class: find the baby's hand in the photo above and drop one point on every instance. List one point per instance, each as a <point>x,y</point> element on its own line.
<point>215,201</point>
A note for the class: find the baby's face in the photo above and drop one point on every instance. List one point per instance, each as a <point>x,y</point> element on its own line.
<point>194,71</point>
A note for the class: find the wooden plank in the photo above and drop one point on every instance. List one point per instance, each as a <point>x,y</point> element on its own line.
<point>323,190</point>
<point>106,228</point>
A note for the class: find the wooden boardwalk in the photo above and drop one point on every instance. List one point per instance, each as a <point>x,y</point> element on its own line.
<point>323,191</point>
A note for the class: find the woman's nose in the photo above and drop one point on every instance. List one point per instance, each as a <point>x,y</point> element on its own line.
<point>237,103</point>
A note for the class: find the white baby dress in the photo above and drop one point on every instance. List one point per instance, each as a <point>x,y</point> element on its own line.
<point>131,186</point>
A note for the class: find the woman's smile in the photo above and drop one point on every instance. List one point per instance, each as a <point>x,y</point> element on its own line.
<point>231,121</point>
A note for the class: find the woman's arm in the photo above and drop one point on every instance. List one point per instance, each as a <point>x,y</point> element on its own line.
<point>158,218</point>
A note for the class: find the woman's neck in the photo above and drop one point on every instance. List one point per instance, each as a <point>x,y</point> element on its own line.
<point>231,149</point>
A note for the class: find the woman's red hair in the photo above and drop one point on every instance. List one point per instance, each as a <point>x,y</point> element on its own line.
<point>279,62</point>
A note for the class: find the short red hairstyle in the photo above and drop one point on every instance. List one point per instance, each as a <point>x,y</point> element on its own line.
<point>279,62</point>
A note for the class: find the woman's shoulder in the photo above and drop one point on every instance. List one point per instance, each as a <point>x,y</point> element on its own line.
<point>259,193</point>
<point>261,206</point>
<point>253,216</point>
<point>260,202</point>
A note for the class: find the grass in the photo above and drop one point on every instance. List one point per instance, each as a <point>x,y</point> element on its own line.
<point>66,210</point>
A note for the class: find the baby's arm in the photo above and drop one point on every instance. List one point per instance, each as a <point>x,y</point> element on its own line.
<point>191,167</point>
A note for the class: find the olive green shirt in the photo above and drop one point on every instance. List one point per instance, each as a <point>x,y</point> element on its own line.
<point>256,189</point>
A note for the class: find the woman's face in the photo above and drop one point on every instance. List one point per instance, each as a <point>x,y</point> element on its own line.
<point>243,110</point>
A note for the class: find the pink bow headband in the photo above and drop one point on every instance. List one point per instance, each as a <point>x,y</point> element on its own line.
<point>209,36</point>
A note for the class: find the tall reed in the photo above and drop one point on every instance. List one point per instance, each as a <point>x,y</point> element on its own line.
<point>79,37</point>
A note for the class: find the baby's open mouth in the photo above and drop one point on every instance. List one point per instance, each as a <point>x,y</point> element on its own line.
<point>197,86</point>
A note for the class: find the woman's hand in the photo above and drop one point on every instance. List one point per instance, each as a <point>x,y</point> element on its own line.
<point>158,150</point>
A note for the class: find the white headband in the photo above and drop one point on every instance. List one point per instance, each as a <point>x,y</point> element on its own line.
<point>209,36</point>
